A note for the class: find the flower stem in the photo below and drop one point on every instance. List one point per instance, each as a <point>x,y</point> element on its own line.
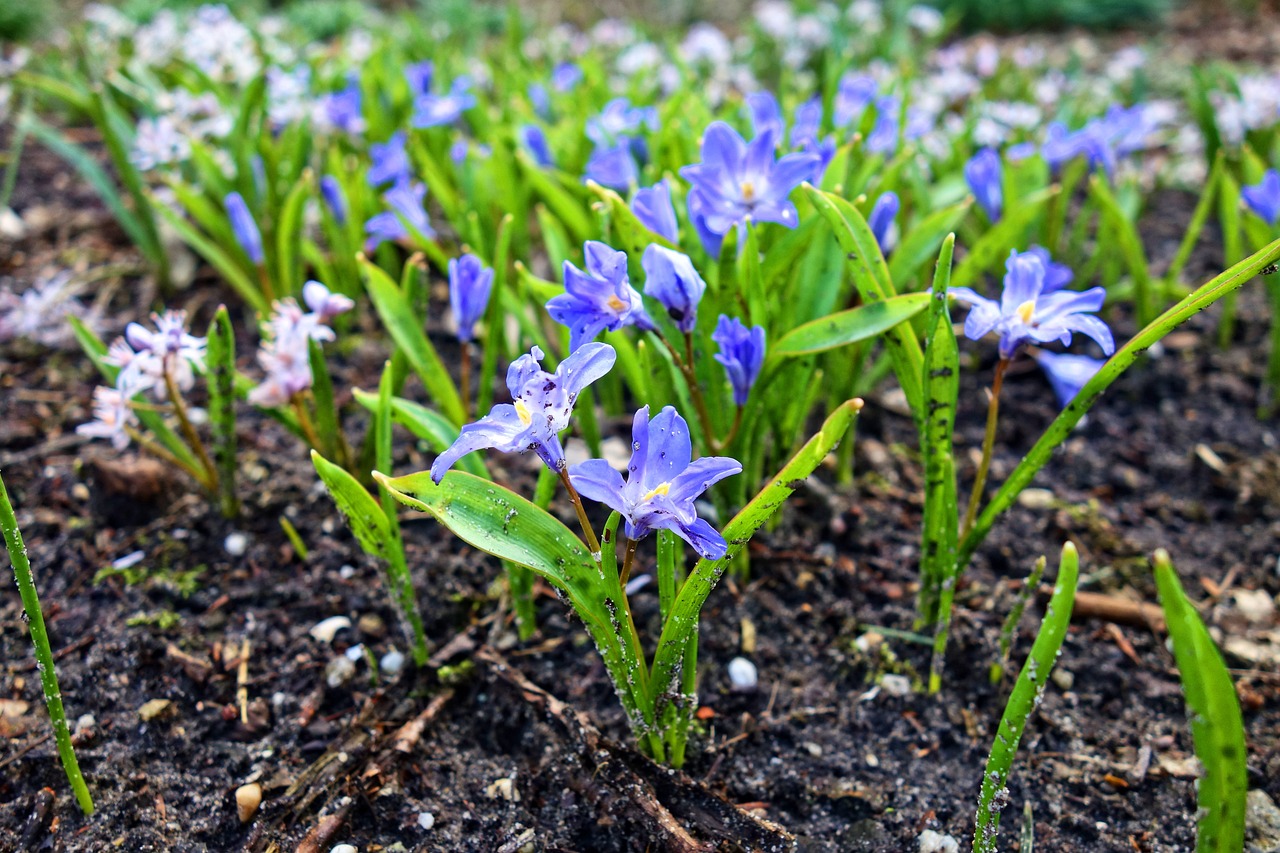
<point>627,559</point>
<point>465,377</point>
<point>44,653</point>
<point>267,290</point>
<point>988,442</point>
<point>304,421</point>
<point>695,391</point>
<point>587,529</point>
<point>733,430</point>
<point>161,452</point>
<point>210,480</point>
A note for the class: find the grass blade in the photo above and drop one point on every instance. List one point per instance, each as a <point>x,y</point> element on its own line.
<point>220,356</point>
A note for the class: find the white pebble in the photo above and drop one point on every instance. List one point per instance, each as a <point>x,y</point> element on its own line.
<point>896,685</point>
<point>130,560</point>
<point>339,672</point>
<point>86,722</point>
<point>392,662</point>
<point>426,820</point>
<point>742,673</point>
<point>236,544</point>
<point>346,571</point>
<point>345,848</point>
<point>935,842</point>
<point>328,629</point>
<point>355,652</point>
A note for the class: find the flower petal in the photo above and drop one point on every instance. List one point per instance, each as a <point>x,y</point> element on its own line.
<point>500,429</point>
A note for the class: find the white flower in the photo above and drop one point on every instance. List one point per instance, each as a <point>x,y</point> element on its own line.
<point>40,313</point>
<point>926,19</point>
<point>705,44</point>
<point>111,415</point>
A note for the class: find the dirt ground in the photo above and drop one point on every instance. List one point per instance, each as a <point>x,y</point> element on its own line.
<point>513,746</point>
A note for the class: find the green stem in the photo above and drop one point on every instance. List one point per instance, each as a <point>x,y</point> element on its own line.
<point>210,479</point>
<point>695,391</point>
<point>988,442</point>
<point>465,380</point>
<point>44,654</point>
<point>304,422</point>
<point>627,559</point>
<point>163,453</point>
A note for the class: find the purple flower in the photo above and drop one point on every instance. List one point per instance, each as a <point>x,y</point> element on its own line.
<point>536,142</point>
<point>470,282</point>
<point>619,119</point>
<point>1263,198</point>
<point>1091,142</point>
<point>855,93</point>
<point>541,405</point>
<point>435,110</point>
<point>344,108</point>
<point>112,415</point>
<point>671,279</point>
<point>662,483</point>
<point>735,180</point>
<point>1025,313</point>
<point>883,221</point>
<point>711,241</point>
<point>984,174</point>
<point>323,303</point>
<point>807,123</point>
<point>405,201</point>
<point>145,357</point>
<point>1056,275</point>
<point>540,99</point>
<point>285,354</point>
<point>741,353</point>
<point>333,196</point>
<point>565,77</point>
<point>1067,373</point>
<point>243,226</point>
<point>613,166</point>
<point>652,206</point>
<point>766,115</point>
<point>419,75</point>
<point>599,299</point>
<point>390,161</point>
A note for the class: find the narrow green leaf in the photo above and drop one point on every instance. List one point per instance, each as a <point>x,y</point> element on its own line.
<point>1122,231</point>
<point>847,327</point>
<point>219,259</point>
<point>289,237</point>
<point>993,247</point>
<point>1217,727</point>
<point>220,357</point>
<point>571,211</point>
<point>328,427</point>
<point>430,426</point>
<point>924,241</point>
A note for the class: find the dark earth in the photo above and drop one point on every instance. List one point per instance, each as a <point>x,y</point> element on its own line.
<point>1173,456</point>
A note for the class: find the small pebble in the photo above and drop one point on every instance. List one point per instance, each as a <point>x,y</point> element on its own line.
<point>236,544</point>
<point>80,492</point>
<point>392,662</point>
<point>328,629</point>
<point>371,624</point>
<point>130,560</point>
<point>1064,678</point>
<point>345,848</point>
<point>86,722</point>
<point>354,653</point>
<point>505,789</point>
<point>812,748</point>
<point>1037,499</point>
<point>248,798</point>
<point>346,571</point>
<point>743,675</point>
<point>935,842</point>
<point>896,685</point>
<point>426,820</point>
<point>339,671</point>
<point>154,709</point>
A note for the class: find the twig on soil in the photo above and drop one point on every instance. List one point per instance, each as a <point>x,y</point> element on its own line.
<point>324,831</point>
<point>70,648</point>
<point>242,681</point>
<point>1112,608</point>
<point>656,797</point>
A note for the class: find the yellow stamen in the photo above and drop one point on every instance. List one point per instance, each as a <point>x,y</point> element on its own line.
<point>1026,310</point>
<point>660,489</point>
<point>748,191</point>
<point>526,417</point>
<point>616,304</point>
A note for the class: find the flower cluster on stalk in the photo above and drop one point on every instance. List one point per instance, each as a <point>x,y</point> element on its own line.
<point>285,353</point>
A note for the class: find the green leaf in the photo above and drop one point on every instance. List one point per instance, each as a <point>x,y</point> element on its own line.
<point>571,211</point>
<point>1217,727</point>
<point>847,327</point>
<point>289,236</point>
<point>941,514</point>
<point>1025,697</point>
<point>924,241</point>
<point>378,539</point>
<point>1204,296</point>
<point>993,247</point>
<point>406,329</point>
<point>220,357</point>
<point>678,631</point>
<point>223,262</point>
<point>1122,231</point>
<point>871,278</point>
<point>428,425</point>
<point>328,427</point>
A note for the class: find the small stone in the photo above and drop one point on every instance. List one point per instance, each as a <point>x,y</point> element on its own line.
<point>371,625</point>
<point>896,685</point>
<point>392,662</point>
<point>742,674</point>
<point>236,544</point>
<point>346,571</point>
<point>339,671</point>
<point>345,848</point>
<point>1037,499</point>
<point>812,748</point>
<point>1064,678</point>
<point>154,709</point>
<point>504,788</point>
<point>935,842</point>
<point>80,492</point>
<point>868,641</point>
<point>326,630</point>
<point>871,759</point>
<point>87,722</point>
<point>355,653</point>
<point>1261,823</point>
<point>426,820</point>
<point>1255,605</point>
<point>248,798</point>
<point>11,225</point>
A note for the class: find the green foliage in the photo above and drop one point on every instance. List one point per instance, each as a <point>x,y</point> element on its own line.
<point>220,358</point>
<point>1022,15</point>
<point>1217,727</point>
<point>20,22</point>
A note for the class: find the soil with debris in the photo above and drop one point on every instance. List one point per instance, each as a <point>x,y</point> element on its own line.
<point>196,671</point>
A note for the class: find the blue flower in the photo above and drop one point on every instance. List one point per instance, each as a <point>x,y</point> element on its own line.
<point>671,279</point>
<point>613,166</point>
<point>662,483</point>
<point>344,108</point>
<point>1025,313</point>
<point>741,353</point>
<point>1056,275</point>
<point>470,282</point>
<point>854,94</point>
<point>540,409</point>
<point>619,119</point>
<point>985,175</point>
<point>1263,198</point>
<point>390,161</point>
<point>540,99</point>
<point>697,207</point>
<point>331,191</point>
<point>536,143</point>
<point>883,221</point>
<point>565,77</point>
<point>405,201</point>
<point>735,180</point>
<point>435,110</point>
<point>243,226</point>
<point>419,75</point>
<point>599,299</point>
<point>652,206</point>
<point>766,115</point>
<point>1091,142</point>
<point>1067,373</point>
